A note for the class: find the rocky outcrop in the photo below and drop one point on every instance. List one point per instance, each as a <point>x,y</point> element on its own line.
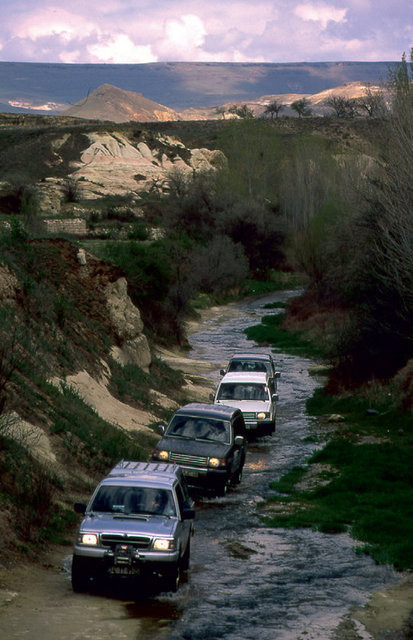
<point>112,165</point>
<point>133,346</point>
<point>9,286</point>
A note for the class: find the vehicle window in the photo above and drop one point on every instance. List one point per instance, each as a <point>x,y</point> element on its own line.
<point>235,365</point>
<point>242,391</point>
<point>134,500</point>
<point>250,366</point>
<point>184,500</point>
<point>199,428</point>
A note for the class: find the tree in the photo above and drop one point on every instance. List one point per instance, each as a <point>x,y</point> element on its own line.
<point>342,107</point>
<point>372,102</point>
<point>376,280</point>
<point>274,108</point>
<point>220,111</point>
<point>243,111</point>
<point>302,107</point>
<point>220,265</point>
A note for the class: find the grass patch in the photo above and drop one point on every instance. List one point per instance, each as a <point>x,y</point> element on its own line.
<point>133,384</point>
<point>278,281</point>
<point>371,410</point>
<point>370,494</point>
<point>282,340</point>
<point>96,444</point>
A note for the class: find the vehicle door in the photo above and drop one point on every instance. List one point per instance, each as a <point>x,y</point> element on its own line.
<point>184,502</point>
<point>238,428</point>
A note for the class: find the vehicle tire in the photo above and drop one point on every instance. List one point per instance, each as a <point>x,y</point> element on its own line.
<point>172,579</point>
<point>222,490</point>
<point>238,475</point>
<point>185,557</point>
<point>80,575</point>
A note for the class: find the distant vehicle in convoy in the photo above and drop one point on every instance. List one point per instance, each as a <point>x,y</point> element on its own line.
<point>254,363</point>
<point>253,394</point>
<point>138,522</point>
<point>209,442</point>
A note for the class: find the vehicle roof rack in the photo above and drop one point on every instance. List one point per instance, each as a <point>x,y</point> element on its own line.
<point>131,468</point>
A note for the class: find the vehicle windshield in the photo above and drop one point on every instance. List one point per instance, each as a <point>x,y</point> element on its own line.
<point>134,501</point>
<point>200,428</point>
<point>250,366</point>
<point>243,391</point>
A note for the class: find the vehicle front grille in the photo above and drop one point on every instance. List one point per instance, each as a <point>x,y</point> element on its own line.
<point>183,458</point>
<point>249,415</point>
<point>112,539</point>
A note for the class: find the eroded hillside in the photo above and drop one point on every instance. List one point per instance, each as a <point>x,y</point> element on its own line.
<point>80,386</point>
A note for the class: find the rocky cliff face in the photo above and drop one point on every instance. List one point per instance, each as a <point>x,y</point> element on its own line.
<point>114,164</point>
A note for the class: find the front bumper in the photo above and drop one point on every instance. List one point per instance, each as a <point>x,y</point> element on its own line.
<point>259,427</point>
<point>205,478</point>
<point>133,558</point>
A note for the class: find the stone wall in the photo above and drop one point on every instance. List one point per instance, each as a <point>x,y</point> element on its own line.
<point>74,226</point>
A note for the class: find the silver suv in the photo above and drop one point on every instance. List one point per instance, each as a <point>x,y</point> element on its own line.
<point>254,362</point>
<point>138,522</point>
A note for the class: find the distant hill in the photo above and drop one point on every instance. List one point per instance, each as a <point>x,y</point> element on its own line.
<point>111,103</point>
<point>178,85</point>
<point>116,105</point>
<point>317,101</point>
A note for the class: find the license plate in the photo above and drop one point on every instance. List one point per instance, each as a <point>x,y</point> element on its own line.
<point>191,472</point>
<point>124,571</point>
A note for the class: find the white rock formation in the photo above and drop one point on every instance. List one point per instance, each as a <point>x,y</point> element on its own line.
<point>128,326</point>
<point>112,165</point>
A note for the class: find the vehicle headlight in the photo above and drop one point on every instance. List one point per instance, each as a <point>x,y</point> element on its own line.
<point>162,544</point>
<point>262,415</point>
<point>163,455</point>
<point>88,538</point>
<point>217,462</point>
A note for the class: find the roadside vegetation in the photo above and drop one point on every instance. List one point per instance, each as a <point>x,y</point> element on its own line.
<point>357,311</point>
<point>361,481</point>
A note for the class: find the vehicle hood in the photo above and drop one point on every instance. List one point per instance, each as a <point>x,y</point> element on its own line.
<point>194,447</point>
<point>105,523</point>
<point>248,405</point>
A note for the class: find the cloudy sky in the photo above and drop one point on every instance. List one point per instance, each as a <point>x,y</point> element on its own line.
<point>138,31</point>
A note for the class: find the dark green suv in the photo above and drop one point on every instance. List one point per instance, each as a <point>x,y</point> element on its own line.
<point>208,442</point>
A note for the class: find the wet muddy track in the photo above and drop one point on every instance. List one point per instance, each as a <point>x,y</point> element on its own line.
<point>246,581</point>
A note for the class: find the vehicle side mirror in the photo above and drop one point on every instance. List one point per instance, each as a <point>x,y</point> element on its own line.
<point>239,441</point>
<point>161,429</point>
<point>212,396</point>
<point>80,507</point>
<point>222,372</point>
<point>277,374</point>
<point>274,397</point>
<point>188,514</point>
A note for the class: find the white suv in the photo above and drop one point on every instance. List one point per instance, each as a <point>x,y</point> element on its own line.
<point>250,392</point>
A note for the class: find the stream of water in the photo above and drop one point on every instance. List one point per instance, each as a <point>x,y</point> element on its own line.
<point>246,580</point>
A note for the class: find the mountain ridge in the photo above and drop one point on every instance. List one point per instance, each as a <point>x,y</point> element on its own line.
<point>113,104</point>
<point>53,87</point>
